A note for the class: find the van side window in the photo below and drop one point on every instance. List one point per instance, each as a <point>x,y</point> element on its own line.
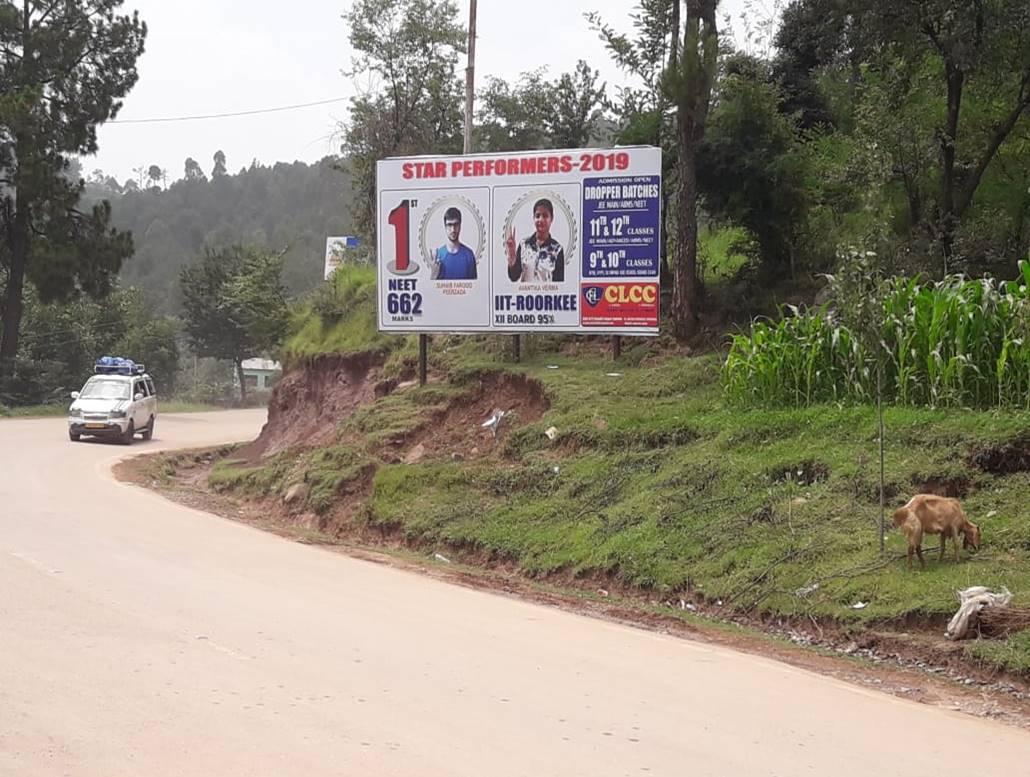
<point>150,387</point>
<point>138,388</point>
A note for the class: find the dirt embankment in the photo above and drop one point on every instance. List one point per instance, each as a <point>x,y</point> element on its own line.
<point>308,403</point>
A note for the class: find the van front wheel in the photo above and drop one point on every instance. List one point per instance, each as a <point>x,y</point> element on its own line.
<point>130,432</point>
<point>149,431</point>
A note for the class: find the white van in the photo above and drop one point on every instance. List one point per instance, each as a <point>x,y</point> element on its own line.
<point>116,402</point>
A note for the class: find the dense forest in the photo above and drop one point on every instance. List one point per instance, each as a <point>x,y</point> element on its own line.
<point>283,207</point>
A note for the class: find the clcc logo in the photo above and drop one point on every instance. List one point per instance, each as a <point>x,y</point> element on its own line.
<point>621,293</point>
<point>593,294</point>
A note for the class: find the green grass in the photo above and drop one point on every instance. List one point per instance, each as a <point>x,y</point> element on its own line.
<point>339,319</point>
<point>1012,654</point>
<point>231,474</point>
<point>655,481</point>
<point>679,491</point>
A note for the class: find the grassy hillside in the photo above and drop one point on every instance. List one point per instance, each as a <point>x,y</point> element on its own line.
<point>653,481</point>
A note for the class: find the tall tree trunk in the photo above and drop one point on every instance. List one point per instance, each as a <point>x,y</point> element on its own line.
<point>1001,132</point>
<point>684,290</point>
<point>693,86</point>
<point>666,275</point>
<point>19,235</point>
<point>955,78</point>
<point>13,304</point>
<point>243,383</point>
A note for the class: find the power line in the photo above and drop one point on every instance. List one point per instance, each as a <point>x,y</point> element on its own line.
<point>29,335</point>
<point>227,115</point>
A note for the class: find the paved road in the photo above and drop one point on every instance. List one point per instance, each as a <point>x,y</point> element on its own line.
<point>141,638</point>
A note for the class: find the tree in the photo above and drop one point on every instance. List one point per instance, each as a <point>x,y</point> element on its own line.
<point>219,169</point>
<point>751,166</point>
<point>689,82</point>
<point>810,37</point>
<point>192,170</point>
<point>512,117</point>
<point>154,174</point>
<point>984,46</point>
<point>940,86</point>
<point>408,50</point>
<point>64,70</point>
<point>646,57</point>
<point>62,341</point>
<point>577,107</point>
<point>234,305</point>
<point>643,112</point>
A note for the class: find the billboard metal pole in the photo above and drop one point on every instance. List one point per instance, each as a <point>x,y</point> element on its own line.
<point>470,92</point>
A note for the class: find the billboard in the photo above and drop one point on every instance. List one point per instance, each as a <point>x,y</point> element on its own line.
<point>336,252</point>
<point>532,241</point>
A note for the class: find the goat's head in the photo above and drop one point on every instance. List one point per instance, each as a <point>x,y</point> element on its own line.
<point>971,536</point>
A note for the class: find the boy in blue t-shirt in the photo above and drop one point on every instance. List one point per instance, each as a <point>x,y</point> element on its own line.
<point>455,260</point>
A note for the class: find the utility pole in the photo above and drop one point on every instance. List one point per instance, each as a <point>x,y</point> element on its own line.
<point>423,339</point>
<point>470,79</point>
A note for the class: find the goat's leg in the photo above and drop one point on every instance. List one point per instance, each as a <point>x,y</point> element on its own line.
<point>955,542</point>
<point>919,552</point>
<point>943,535</point>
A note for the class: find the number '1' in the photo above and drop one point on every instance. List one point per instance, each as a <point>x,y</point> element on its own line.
<point>399,219</point>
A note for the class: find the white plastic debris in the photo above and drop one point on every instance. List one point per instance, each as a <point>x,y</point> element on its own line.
<point>806,590</point>
<point>614,374</point>
<point>859,605</point>
<point>556,469</point>
<point>551,432</point>
<point>552,366</point>
<point>971,601</point>
<point>441,557</point>
<point>602,592</point>
<point>992,513</point>
<point>494,421</point>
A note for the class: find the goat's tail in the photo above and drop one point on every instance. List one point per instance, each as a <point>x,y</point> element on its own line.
<point>900,515</point>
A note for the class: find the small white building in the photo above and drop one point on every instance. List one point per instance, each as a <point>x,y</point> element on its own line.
<point>259,374</point>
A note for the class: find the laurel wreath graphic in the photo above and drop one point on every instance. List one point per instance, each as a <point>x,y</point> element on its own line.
<point>435,210</point>
<point>559,204</point>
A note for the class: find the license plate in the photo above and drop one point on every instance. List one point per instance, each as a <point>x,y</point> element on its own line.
<point>96,426</point>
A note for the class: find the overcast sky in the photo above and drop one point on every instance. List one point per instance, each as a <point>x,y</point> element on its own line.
<point>220,56</point>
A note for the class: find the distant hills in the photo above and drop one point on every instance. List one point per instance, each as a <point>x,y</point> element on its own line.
<point>284,206</point>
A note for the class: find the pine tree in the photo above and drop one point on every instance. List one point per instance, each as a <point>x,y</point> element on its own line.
<point>64,70</point>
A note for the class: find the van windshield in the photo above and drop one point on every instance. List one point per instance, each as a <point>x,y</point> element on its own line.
<point>105,389</point>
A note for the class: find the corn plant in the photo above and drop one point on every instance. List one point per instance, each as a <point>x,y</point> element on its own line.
<point>953,343</point>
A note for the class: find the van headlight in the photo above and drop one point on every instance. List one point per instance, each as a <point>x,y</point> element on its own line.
<point>117,414</point>
<point>75,412</point>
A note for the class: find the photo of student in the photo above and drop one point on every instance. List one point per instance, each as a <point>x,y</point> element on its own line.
<point>454,261</point>
<point>538,258</point>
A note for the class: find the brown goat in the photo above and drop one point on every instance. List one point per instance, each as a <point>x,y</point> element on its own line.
<point>932,514</point>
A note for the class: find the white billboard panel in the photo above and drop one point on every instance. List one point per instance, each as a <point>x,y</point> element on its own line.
<point>336,253</point>
<point>556,240</point>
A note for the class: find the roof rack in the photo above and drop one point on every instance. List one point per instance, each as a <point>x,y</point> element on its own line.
<point>116,365</point>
